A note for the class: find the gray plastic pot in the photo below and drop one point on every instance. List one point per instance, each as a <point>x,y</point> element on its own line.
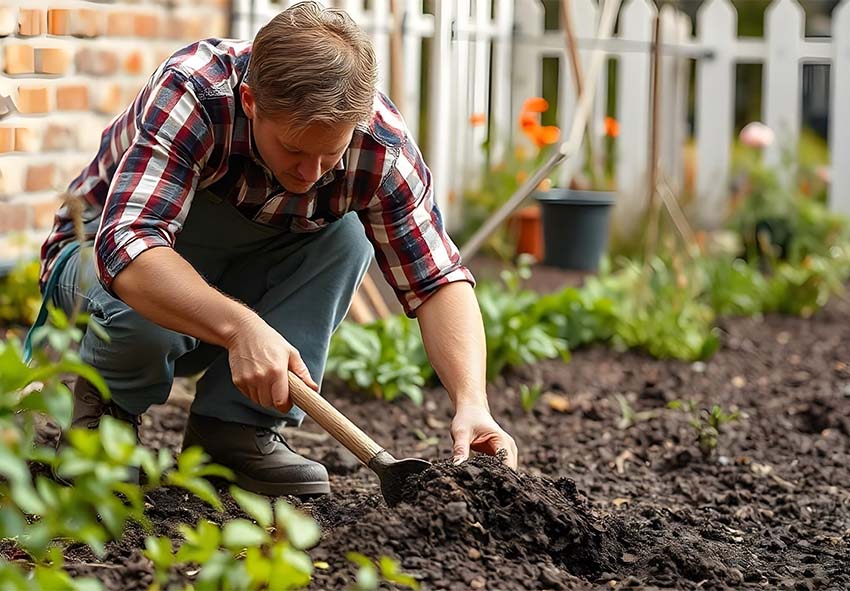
<point>575,227</point>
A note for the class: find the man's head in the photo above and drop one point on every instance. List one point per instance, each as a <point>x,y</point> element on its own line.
<point>311,79</point>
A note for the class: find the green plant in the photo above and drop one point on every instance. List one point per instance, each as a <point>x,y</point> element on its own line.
<point>658,309</point>
<point>266,553</point>
<point>369,574</point>
<point>41,515</point>
<point>385,358</point>
<point>515,336</point>
<point>19,294</point>
<point>629,416</point>
<point>707,424</point>
<point>529,395</point>
<point>780,214</point>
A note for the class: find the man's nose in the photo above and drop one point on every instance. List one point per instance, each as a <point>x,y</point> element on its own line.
<point>310,169</point>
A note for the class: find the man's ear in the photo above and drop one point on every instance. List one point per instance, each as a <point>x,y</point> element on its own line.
<point>246,95</point>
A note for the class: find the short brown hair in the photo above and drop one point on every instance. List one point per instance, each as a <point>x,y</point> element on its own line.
<point>314,64</point>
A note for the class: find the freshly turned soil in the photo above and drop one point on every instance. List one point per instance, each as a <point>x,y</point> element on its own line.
<point>597,503</point>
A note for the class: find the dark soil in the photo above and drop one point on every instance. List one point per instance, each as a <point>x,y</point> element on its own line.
<point>597,503</point>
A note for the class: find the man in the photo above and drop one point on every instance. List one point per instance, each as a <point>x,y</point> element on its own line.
<point>226,207</point>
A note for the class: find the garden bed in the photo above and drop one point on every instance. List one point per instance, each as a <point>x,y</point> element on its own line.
<point>598,503</point>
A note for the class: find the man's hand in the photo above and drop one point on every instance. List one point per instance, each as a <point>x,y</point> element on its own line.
<point>259,359</point>
<point>474,427</point>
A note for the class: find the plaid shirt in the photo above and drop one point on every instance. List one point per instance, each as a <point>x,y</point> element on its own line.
<point>186,130</point>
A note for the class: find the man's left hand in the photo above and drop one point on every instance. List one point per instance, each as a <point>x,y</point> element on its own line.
<point>474,427</point>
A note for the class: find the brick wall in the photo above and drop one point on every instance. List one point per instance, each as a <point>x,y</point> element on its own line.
<point>69,67</point>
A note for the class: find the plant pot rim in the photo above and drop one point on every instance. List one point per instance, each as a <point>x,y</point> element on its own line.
<point>563,196</point>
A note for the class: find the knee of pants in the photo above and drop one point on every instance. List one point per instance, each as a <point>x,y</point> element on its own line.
<point>135,342</point>
<point>345,245</point>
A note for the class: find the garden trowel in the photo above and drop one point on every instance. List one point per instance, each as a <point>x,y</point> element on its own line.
<point>390,471</point>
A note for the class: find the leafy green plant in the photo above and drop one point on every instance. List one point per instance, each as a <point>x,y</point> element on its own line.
<point>369,574</point>
<point>529,395</point>
<point>19,295</point>
<point>266,553</point>
<point>707,424</point>
<point>515,337</point>
<point>385,358</point>
<point>38,512</point>
<point>658,309</point>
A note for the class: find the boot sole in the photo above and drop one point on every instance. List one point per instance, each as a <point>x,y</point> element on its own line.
<point>274,489</point>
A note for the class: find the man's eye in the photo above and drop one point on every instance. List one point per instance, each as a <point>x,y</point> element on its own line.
<point>291,150</point>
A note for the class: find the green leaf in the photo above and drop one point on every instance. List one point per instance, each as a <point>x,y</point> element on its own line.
<point>391,572</point>
<point>197,486</point>
<point>302,531</point>
<point>241,533</point>
<point>159,550</point>
<point>258,507</point>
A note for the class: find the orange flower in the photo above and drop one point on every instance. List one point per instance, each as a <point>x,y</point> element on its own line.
<point>612,127</point>
<point>546,135</point>
<point>521,176</point>
<point>535,104</point>
<point>477,119</point>
<point>528,121</point>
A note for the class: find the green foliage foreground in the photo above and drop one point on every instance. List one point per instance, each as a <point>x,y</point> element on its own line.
<point>41,516</point>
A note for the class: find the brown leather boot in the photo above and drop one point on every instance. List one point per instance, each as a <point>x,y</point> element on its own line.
<point>260,458</point>
<point>89,408</point>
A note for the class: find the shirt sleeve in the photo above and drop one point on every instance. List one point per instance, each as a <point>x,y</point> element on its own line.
<point>404,224</point>
<point>153,185</point>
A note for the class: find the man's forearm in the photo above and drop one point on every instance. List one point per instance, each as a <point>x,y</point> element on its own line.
<point>164,288</point>
<point>453,334</point>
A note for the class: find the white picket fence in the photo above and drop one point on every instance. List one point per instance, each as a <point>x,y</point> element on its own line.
<point>486,57</point>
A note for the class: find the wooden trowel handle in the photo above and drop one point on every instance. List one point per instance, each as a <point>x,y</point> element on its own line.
<point>332,421</point>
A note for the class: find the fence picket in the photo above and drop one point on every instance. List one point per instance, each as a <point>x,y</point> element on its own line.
<point>839,117</point>
<point>633,86</point>
<point>783,31</point>
<point>717,24</point>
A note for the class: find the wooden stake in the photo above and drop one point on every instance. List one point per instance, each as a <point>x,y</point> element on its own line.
<point>375,298</point>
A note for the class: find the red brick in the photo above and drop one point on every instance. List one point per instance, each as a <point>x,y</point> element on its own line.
<point>31,22</point>
<point>111,100</point>
<point>26,139</point>
<point>119,24</point>
<point>20,59</point>
<point>59,21</point>
<point>7,139</point>
<point>146,25</point>
<point>85,22</point>
<point>135,63</point>
<point>74,97</point>
<point>33,99</point>
<point>40,177</point>
<point>58,138</point>
<point>14,217</point>
<point>44,212</point>
<point>52,60</point>
<point>96,62</point>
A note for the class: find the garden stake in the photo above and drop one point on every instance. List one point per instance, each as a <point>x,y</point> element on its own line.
<point>392,472</point>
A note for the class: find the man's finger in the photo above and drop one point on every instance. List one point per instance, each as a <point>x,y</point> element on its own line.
<point>299,368</point>
<point>460,449</point>
<point>280,399</point>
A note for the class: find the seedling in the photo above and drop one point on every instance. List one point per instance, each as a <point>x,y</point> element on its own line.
<point>529,395</point>
<point>707,424</point>
<point>629,416</point>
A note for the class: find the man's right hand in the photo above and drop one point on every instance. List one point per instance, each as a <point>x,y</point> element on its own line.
<point>259,358</point>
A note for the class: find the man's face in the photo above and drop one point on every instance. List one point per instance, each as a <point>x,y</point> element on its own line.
<point>297,159</point>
